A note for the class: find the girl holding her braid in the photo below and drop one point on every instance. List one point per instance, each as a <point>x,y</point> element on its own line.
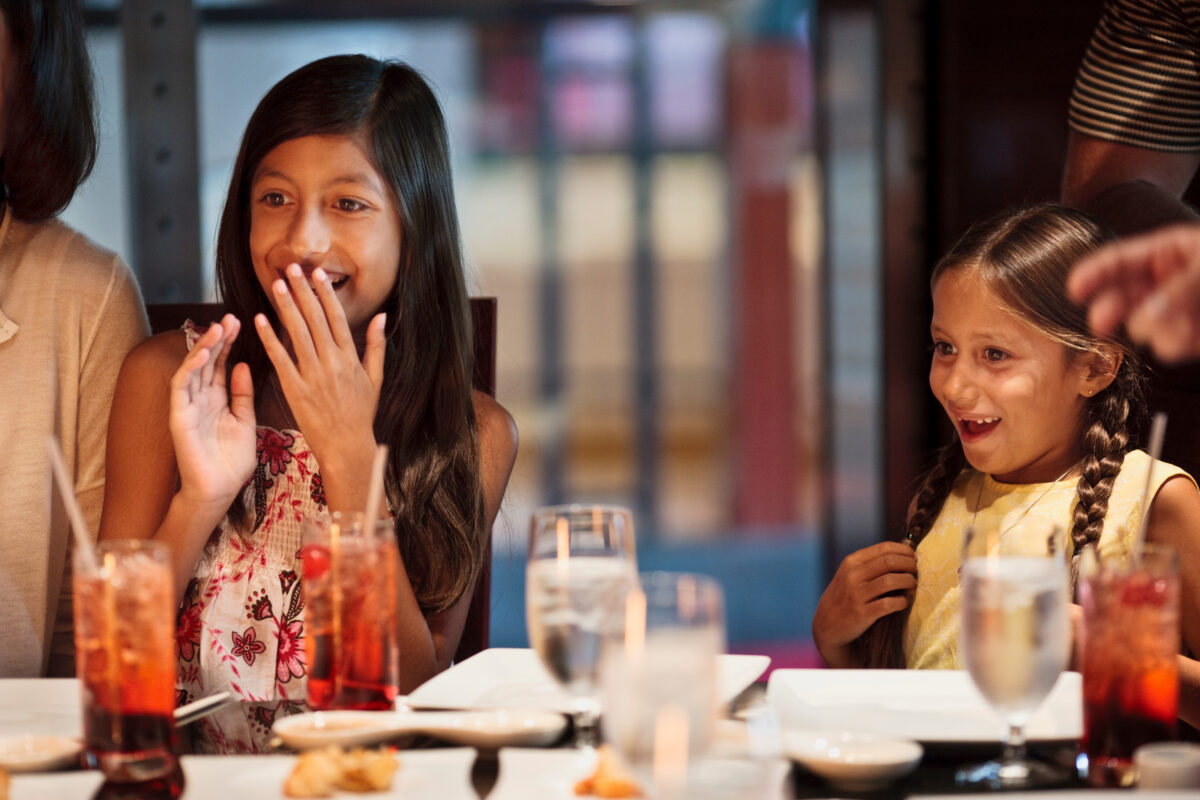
<point>1047,418</point>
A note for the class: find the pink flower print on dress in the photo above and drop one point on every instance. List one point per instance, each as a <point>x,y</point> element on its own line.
<point>247,646</point>
<point>274,450</point>
<point>187,630</point>
<point>260,605</point>
<point>290,661</point>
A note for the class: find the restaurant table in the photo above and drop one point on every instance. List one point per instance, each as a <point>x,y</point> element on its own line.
<point>52,707</point>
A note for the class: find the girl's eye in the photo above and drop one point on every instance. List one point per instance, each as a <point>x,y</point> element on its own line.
<point>273,199</point>
<point>943,349</point>
<point>992,354</point>
<point>348,204</point>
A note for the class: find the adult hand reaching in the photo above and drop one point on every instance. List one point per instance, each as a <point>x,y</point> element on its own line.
<point>1149,282</point>
<point>213,433</point>
<point>860,593</point>
<point>330,390</point>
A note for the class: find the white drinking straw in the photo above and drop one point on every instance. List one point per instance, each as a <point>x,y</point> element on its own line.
<point>1158,427</point>
<point>375,490</point>
<point>83,540</point>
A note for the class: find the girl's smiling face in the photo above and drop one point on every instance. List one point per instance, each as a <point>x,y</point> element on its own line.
<point>317,201</point>
<point>1015,396</point>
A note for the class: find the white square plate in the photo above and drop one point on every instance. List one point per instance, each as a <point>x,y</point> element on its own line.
<point>930,706</point>
<point>503,677</point>
<point>40,706</point>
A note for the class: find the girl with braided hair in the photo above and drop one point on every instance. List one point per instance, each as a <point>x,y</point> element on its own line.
<point>1046,416</point>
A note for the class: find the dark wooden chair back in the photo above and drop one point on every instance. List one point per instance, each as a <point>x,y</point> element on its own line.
<point>479,617</point>
<point>170,316</point>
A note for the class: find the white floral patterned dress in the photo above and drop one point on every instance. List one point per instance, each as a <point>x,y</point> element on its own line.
<point>241,620</point>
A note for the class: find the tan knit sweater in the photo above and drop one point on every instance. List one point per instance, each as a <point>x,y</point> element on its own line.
<point>69,312</point>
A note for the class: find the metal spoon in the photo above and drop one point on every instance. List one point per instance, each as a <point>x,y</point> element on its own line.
<point>196,709</point>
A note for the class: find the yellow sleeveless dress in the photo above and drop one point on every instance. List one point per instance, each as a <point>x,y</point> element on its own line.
<point>931,634</point>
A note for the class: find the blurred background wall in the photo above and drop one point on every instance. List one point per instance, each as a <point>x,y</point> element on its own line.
<point>709,227</point>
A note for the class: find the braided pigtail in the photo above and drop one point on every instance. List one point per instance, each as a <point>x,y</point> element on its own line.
<point>880,645</point>
<point>1113,415</point>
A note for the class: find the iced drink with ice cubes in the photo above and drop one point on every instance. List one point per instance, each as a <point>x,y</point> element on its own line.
<point>125,659</point>
<point>1130,677</point>
<point>350,613</point>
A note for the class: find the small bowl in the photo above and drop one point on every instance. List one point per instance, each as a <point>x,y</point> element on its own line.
<point>1168,765</point>
<point>856,762</point>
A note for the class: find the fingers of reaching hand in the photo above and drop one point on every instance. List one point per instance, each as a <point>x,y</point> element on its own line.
<point>1169,319</point>
<point>1134,267</point>
<point>1108,308</point>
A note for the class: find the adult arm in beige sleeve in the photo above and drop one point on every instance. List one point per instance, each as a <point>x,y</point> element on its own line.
<point>115,324</point>
<point>118,325</point>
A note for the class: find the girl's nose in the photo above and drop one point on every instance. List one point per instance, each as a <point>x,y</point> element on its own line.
<point>959,385</point>
<point>308,234</point>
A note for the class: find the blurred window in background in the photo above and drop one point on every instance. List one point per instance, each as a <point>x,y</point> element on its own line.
<point>595,186</point>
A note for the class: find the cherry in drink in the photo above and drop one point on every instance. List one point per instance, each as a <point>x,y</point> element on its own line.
<point>350,614</point>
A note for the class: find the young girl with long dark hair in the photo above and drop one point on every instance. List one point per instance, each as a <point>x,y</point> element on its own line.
<point>339,245</point>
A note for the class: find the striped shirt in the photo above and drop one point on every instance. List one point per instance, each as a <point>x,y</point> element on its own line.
<point>1139,82</point>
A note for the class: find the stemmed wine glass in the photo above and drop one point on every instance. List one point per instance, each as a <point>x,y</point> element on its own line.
<point>582,562</point>
<point>1016,636</point>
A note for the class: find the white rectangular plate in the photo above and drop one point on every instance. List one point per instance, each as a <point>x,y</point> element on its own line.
<point>41,706</point>
<point>931,706</point>
<point>503,677</point>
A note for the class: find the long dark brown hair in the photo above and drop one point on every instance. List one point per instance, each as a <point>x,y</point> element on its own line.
<point>49,114</point>
<point>1024,256</point>
<point>425,412</point>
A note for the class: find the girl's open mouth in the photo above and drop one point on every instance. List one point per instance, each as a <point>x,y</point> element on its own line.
<point>974,428</point>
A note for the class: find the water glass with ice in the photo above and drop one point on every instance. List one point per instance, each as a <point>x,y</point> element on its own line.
<point>582,562</point>
<point>659,679</point>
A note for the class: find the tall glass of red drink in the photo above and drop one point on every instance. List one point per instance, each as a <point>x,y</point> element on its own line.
<point>1130,677</point>
<point>125,658</point>
<point>350,613</point>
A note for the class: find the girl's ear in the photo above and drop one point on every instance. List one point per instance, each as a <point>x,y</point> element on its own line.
<point>1100,369</point>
